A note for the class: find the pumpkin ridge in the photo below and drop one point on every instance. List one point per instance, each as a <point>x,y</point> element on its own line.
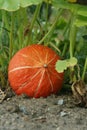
<point>55,74</point>
<point>30,58</point>
<point>50,81</point>
<point>26,82</point>
<point>51,59</point>
<point>32,77</point>
<point>39,82</point>
<point>38,55</point>
<point>23,67</point>
<point>46,57</point>
<point>36,74</point>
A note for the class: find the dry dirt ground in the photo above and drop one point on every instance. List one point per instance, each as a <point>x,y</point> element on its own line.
<point>56,112</point>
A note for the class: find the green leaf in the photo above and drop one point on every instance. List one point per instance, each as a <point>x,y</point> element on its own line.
<point>81,21</point>
<point>13,5</point>
<point>80,9</point>
<point>62,65</point>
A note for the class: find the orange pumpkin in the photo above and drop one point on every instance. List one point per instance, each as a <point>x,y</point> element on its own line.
<point>32,72</point>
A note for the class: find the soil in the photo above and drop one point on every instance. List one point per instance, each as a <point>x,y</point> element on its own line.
<point>56,112</point>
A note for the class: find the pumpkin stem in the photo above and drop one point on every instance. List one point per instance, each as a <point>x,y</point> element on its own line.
<point>45,65</point>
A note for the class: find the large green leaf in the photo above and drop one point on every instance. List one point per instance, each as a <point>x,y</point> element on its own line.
<point>80,9</point>
<point>62,65</point>
<point>13,5</point>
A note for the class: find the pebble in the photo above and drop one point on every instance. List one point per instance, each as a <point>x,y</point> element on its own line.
<point>62,113</point>
<point>23,110</point>
<point>60,102</point>
<point>58,128</point>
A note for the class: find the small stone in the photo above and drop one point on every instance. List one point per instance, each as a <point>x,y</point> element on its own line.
<point>62,114</point>
<point>58,128</point>
<point>61,102</point>
<point>23,110</point>
<point>8,99</point>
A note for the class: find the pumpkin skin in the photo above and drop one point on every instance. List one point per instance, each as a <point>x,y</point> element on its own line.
<point>32,72</point>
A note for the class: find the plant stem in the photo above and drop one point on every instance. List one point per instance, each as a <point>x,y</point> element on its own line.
<point>20,14</point>
<point>47,9</point>
<point>64,49</point>
<point>11,36</point>
<point>66,32</point>
<point>5,20</point>
<point>2,78</point>
<point>3,24</point>
<point>1,32</point>
<point>72,38</point>
<point>73,32</point>
<point>33,22</point>
<point>52,27</point>
<point>84,69</point>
